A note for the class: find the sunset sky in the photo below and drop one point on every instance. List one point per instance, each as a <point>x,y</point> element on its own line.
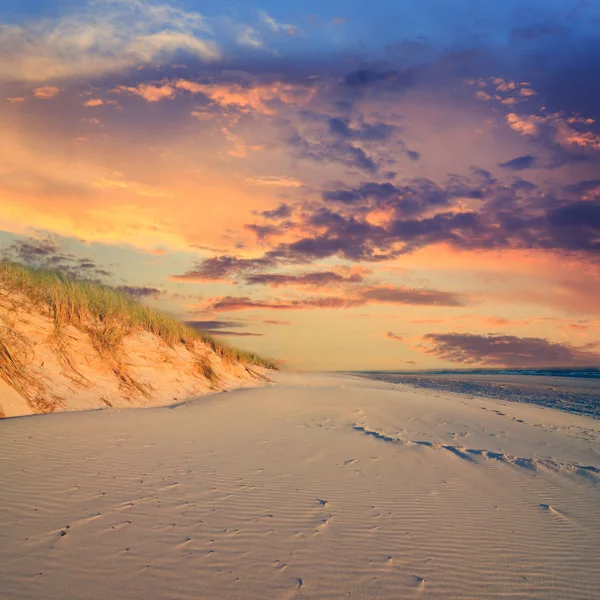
<point>340,185</point>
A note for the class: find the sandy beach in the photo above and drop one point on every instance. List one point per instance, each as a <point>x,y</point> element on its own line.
<point>323,486</point>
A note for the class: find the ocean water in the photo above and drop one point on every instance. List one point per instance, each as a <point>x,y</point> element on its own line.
<point>568,389</point>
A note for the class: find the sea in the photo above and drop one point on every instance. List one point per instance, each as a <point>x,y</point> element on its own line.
<point>574,390</point>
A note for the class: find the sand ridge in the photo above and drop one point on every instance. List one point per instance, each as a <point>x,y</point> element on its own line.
<point>278,493</point>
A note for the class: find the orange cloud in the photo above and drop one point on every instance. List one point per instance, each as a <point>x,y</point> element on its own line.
<point>46,92</point>
<point>565,134</point>
<point>502,322</point>
<point>273,181</point>
<point>149,92</point>
<point>259,98</point>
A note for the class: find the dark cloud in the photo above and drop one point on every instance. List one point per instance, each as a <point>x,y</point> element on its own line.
<point>223,267</point>
<point>393,336</point>
<point>582,187</point>
<point>344,151</point>
<point>216,327</point>
<point>422,213</point>
<point>47,253</point>
<point>519,163</point>
<point>366,132</point>
<point>507,351</point>
<point>310,279</point>
<point>234,333</point>
<point>140,291</point>
<point>389,295</point>
<point>415,197</point>
<point>382,295</point>
<point>212,324</point>
<point>576,226</point>
<point>263,232</point>
<point>283,211</point>
<point>235,303</point>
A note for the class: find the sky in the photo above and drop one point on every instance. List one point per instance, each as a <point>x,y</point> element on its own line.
<point>342,185</point>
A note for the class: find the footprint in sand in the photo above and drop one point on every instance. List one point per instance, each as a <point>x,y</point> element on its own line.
<point>279,565</point>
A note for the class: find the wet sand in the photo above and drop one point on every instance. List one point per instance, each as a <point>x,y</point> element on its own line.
<point>578,395</point>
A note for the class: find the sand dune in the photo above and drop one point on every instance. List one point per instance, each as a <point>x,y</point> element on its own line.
<point>319,487</point>
<point>48,364</point>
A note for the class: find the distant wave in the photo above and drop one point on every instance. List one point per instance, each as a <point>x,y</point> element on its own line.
<point>591,372</point>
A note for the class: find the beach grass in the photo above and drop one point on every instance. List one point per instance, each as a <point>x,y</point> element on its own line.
<point>108,312</point>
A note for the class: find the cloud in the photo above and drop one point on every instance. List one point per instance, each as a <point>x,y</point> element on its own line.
<point>48,253</point>
<point>102,37</point>
<point>234,333</point>
<point>222,267</point>
<point>507,351</point>
<point>149,92</point>
<point>276,26</point>
<point>412,296</point>
<point>414,197</point>
<point>140,291</point>
<point>281,212</point>
<point>236,303</point>
<point>46,92</point>
<point>365,132</point>
<point>273,181</point>
<point>501,321</point>
<point>248,36</point>
<point>519,163</point>
<point>359,297</point>
<point>393,336</point>
<point>338,151</point>
<point>380,221</point>
<point>212,324</point>
<point>319,278</point>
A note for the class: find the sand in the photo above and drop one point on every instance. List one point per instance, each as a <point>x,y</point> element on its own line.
<point>322,486</point>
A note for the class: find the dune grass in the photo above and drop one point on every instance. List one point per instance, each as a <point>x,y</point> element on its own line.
<point>108,312</point>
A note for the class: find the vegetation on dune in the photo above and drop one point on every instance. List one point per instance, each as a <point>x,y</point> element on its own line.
<point>108,314</point>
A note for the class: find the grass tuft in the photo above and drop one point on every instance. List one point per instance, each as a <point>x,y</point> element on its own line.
<point>13,360</point>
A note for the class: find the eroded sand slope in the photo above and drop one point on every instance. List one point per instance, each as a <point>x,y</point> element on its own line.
<point>46,368</point>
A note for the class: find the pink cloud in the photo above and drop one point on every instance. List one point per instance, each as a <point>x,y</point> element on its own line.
<point>46,92</point>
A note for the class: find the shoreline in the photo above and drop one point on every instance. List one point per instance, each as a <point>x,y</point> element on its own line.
<point>573,395</point>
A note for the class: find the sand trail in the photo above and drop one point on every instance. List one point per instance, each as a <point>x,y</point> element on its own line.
<point>278,493</point>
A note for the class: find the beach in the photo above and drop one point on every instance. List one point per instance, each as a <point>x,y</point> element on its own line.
<point>322,486</point>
